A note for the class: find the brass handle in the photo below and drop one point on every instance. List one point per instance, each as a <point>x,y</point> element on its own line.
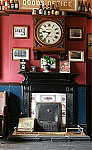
<point>48,110</point>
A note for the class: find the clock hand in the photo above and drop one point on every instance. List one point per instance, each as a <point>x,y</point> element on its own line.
<point>44,31</point>
<point>48,34</point>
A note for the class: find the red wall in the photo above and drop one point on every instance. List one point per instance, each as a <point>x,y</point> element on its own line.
<point>14,65</point>
<point>4,49</point>
<point>9,69</point>
<point>79,67</point>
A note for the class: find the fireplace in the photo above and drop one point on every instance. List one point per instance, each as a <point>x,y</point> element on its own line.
<point>51,98</point>
<point>48,117</point>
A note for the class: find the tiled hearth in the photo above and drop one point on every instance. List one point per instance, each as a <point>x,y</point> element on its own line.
<point>49,98</point>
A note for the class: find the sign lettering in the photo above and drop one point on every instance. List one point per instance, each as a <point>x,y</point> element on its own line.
<point>63,4</point>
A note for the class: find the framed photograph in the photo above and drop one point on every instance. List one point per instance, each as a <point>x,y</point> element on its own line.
<point>75,33</point>
<point>20,53</point>
<point>20,32</point>
<point>43,62</point>
<point>90,53</point>
<point>89,46</point>
<point>76,56</point>
<point>89,39</point>
<point>64,66</point>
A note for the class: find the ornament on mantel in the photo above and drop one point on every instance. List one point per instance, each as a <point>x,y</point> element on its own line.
<point>47,63</point>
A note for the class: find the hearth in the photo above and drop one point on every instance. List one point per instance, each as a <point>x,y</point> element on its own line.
<point>51,98</point>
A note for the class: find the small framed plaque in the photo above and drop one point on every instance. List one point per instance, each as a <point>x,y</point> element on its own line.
<point>89,46</point>
<point>20,53</point>
<point>26,124</point>
<point>75,33</point>
<point>76,56</point>
<point>64,66</point>
<point>20,32</point>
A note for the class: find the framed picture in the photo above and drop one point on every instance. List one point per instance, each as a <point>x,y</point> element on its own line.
<point>89,46</point>
<point>89,39</point>
<point>90,53</point>
<point>20,32</point>
<point>20,53</point>
<point>64,66</point>
<point>43,62</point>
<point>75,33</point>
<point>76,56</point>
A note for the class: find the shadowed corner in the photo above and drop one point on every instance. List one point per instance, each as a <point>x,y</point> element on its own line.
<point>14,110</point>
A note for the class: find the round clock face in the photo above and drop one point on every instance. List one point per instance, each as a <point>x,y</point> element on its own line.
<point>49,32</point>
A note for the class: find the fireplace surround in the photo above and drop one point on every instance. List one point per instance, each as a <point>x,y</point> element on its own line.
<point>46,84</point>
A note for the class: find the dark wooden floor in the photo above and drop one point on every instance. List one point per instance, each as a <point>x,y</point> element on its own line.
<point>45,145</point>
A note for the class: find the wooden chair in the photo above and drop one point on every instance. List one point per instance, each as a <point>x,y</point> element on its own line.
<point>4,113</point>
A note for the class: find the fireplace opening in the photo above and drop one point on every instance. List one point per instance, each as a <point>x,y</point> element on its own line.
<point>49,109</point>
<point>48,117</point>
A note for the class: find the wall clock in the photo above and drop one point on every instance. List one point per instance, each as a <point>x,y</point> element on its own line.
<point>48,34</point>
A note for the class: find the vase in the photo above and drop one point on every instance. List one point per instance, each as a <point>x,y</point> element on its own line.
<point>46,68</point>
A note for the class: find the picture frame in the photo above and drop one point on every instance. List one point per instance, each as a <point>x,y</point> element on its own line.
<point>20,32</point>
<point>43,63</point>
<point>89,45</point>
<point>64,66</point>
<point>90,53</point>
<point>76,56</point>
<point>20,53</point>
<point>76,34</point>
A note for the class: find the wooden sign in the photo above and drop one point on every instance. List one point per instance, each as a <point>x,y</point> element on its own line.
<point>68,5</point>
<point>26,124</point>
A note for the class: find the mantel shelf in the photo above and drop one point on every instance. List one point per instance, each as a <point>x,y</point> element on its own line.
<point>50,78</point>
<point>29,11</point>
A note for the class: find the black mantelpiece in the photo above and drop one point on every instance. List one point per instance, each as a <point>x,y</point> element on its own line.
<point>51,83</point>
<point>54,78</point>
